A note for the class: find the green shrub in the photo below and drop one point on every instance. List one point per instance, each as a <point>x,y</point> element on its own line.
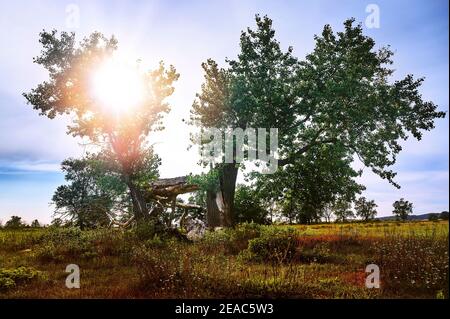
<point>275,245</point>
<point>320,253</point>
<point>58,243</point>
<point>61,234</point>
<point>16,240</point>
<point>46,252</point>
<point>231,240</point>
<point>6,283</point>
<point>10,278</point>
<point>145,230</point>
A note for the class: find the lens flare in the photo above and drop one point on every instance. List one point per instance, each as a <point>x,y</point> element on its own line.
<point>118,86</point>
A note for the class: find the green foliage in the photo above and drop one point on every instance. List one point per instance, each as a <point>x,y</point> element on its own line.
<point>320,253</point>
<point>147,230</point>
<point>15,222</point>
<point>346,87</point>
<point>231,240</point>
<point>248,206</point>
<point>402,209</point>
<point>83,201</point>
<point>311,184</point>
<point>274,245</point>
<point>57,244</point>
<point>205,181</point>
<point>35,224</point>
<point>341,97</point>
<point>10,278</point>
<point>241,234</point>
<point>342,211</point>
<point>123,139</point>
<point>62,244</point>
<point>365,209</point>
<point>96,189</point>
<point>160,266</point>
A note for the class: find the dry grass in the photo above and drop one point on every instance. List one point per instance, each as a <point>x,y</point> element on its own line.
<point>328,261</point>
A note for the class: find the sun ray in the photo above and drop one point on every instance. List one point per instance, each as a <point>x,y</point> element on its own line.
<point>118,86</point>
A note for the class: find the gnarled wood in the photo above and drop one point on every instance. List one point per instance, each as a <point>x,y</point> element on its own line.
<point>113,221</point>
<point>170,187</point>
<point>164,192</point>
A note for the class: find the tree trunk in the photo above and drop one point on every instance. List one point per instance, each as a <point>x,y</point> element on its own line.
<point>227,179</point>
<point>139,205</point>
<point>220,205</point>
<point>213,213</point>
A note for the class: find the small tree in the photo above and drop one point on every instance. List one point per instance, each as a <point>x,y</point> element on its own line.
<point>365,208</point>
<point>95,189</point>
<point>15,222</point>
<point>402,209</point>
<point>35,224</point>
<point>327,213</point>
<point>342,211</point>
<point>309,185</point>
<point>444,215</point>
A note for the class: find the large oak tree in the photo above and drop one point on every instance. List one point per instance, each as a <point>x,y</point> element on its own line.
<point>341,93</point>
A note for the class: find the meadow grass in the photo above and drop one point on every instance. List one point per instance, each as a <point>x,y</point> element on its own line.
<point>249,261</point>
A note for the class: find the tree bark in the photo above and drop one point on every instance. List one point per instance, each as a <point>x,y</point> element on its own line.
<point>139,204</point>
<point>213,213</point>
<point>227,183</point>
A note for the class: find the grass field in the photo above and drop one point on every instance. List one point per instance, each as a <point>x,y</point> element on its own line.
<point>314,261</point>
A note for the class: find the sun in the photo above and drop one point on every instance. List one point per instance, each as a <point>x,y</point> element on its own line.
<point>118,86</point>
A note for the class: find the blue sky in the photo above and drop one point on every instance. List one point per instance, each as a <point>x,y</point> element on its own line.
<point>185,34</point>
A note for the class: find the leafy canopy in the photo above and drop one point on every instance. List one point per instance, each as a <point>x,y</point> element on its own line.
<point>366,209</point>
<point>341,93</point>
<point>402,209</point>
<point>69,91</point>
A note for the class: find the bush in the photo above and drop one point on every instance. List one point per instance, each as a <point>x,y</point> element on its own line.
<point>243,233</point>
<point>320,253</point>
<point>231,240</point>
<point>71,239</point>
<point>275,245</point>
<point>10,278</point>
<point>47,252</point>
<point>146,230</point>
<point>16,240</point>
<point>57,243</point>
